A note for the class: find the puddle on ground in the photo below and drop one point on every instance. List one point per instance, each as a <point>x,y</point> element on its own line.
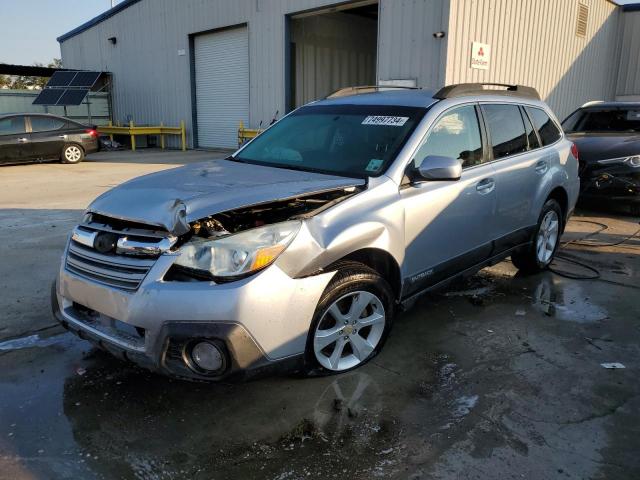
<point>566,301</point>
<point>31,341</point>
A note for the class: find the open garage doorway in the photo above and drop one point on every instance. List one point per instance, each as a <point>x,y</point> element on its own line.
<point>330,49</point>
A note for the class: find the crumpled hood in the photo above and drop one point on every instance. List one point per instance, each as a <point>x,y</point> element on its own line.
<point>173,198</point>
<point>600,146</point>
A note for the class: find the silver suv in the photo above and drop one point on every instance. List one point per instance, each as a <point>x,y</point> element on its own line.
<point>297,251</point>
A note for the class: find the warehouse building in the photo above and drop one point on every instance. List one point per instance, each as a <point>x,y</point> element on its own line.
<point>216,63</point>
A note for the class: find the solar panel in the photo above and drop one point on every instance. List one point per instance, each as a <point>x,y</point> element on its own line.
<point>48,96</point>
<point>61,79</point>
<point>73,97</point>
<point>85,79</point>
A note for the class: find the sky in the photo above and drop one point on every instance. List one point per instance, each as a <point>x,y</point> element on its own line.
<point>30,27</point>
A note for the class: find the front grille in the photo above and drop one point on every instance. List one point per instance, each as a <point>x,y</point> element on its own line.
<point>125,272</point>
<point>112,270</point>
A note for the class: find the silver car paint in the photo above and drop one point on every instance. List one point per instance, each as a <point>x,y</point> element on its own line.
<point>419,226</point>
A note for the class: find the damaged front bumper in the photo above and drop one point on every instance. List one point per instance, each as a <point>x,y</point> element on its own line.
<point>260,322</point>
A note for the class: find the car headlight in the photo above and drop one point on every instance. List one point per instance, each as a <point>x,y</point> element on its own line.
<point>633,161</point>
<point>240,254</point>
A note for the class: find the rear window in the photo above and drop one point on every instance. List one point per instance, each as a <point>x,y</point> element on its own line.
<point>13,125</point>
<point>603,120</point>
<point>548,130</point>
<point>45,124</point>
<point>506,129</point>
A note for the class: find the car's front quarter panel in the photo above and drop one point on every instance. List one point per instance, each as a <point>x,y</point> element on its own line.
<point>372,219</point>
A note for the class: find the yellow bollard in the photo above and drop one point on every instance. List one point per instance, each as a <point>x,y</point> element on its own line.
<point>133,137</point>
<point>184,136</point>
<point>161,136</point>
<point>111,125</point>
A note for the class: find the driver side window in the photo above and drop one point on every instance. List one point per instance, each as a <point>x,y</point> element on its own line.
<point>456,134</point>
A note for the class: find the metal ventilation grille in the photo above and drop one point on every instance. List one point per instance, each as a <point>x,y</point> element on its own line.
<point>581,22</point>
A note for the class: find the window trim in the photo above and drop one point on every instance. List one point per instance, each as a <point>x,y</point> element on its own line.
<point>525,114</point>
<point>481,127</point>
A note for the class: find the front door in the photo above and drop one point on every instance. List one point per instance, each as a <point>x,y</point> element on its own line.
<point>14,140</point>
<point>448,224</point>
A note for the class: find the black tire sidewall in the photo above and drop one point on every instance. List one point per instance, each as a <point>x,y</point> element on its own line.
<point>64,149</point>
<point>343,283</point>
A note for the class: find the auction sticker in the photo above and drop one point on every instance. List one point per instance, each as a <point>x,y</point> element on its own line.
<point>385,120</point>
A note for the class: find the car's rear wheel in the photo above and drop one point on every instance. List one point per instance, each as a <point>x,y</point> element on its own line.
<point>72,153</point>
<point>352,320</point>
<point>539,255</point>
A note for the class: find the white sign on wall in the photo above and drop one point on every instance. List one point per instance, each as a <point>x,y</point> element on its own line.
<point>480,55</point>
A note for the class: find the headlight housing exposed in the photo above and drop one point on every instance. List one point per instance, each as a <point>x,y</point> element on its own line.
<point>238,255</point>
<point>633,161</point>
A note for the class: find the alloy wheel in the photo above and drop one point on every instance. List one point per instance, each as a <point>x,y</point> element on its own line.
<point>72,153</point>
<point>349,331</point>
<point>547,236</point>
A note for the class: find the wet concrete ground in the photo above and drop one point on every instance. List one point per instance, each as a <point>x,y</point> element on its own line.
<point>499,377</point>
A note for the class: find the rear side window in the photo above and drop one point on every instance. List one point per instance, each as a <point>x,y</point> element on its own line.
<point>11,126</point>
<point>548,130</point>
<point>45,124</point>
<point>506,129</point>
<point>456,135</point>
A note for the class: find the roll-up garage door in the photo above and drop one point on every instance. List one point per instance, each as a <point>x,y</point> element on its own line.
<point>222,86</point>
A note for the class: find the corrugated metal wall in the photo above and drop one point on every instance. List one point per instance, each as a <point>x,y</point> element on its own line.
<point>628,87</point>
<point>152,82</point>
<point>534,42</point>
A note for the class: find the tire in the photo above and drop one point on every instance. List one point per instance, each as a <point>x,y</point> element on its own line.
<point>72,153</point>
<point>352,286</point>
<point>534,258</point>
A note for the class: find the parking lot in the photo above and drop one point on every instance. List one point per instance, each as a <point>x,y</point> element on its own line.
<point>498,377</point>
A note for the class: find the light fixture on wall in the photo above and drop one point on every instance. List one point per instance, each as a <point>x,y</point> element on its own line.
<point>439,35</point>
<point>112,40</point>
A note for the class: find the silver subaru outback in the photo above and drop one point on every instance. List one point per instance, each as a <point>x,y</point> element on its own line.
<point>297,251</point>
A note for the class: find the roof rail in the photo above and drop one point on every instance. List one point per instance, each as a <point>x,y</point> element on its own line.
<point>462,89</point>
<point>345,92</point>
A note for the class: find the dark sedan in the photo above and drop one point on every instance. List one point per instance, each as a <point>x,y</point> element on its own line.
<point>32,137</point>
<point>607,135</point>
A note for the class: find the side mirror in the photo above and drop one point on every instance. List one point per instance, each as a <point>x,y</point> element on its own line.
<point>436,167</point>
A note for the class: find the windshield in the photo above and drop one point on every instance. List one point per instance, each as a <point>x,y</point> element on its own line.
<point>605,120</point>
<point>349,140</point>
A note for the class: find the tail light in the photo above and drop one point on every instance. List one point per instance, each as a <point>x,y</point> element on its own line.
<point>574,152</point>
<point>93,132</point>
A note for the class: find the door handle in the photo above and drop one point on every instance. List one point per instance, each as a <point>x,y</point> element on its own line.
<point>485,186</point>
<point>23,140</point>
<point>62,136</point>
<point>542,166</point>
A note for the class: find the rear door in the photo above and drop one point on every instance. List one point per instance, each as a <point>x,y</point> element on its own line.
<point>519,168</point>
<point>14,140</point>
<point>47,136</point>
<point>448,224</point>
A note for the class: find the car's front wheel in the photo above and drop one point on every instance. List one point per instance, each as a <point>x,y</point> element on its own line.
<point>72,153</point>
<point>351,322</point>
<point>539,255</point>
